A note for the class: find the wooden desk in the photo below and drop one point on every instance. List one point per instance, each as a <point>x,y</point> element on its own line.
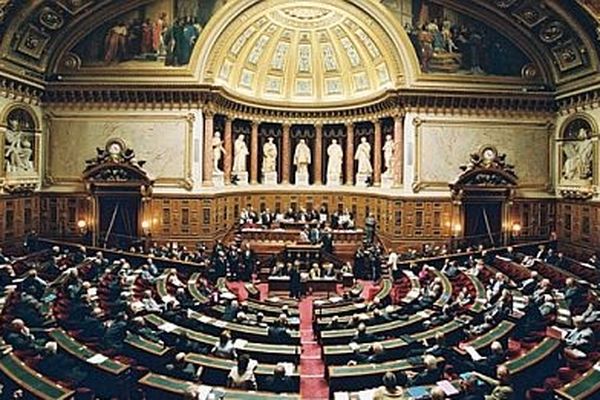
<point>480,295</point>
<point>389,328</point>
<point>83,353</point>
<point>254,333</point>
<point>500,333</point>
<point>538,354</point>
<point>584,387</point>
<point>216,370</point>
<point>446,295</point>
<point>32,382</point>
<point>161,387</point>
<point>415,287</point>
<point>357,377</point>
<point>262,352</point>
<point>385,289</point>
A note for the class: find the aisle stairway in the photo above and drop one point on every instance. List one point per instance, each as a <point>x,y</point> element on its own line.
<point>313,385</point>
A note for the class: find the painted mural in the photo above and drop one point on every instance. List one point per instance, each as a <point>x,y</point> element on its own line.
<point>449,42</point>
<point>161,33</point>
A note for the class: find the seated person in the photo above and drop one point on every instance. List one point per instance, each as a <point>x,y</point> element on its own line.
<point>504,390</point>
<point>315,272</point>
<point>592,312</point>
<point>362,336</point>
<point>241,376</point>
<point>527,287</point>
<point>58,366</point>
<point>574,294</point>
<point>20,338</point>
<point>392,388</point>
<point>115,334</point>
<point>437,394</point>
<point>224,347</point>
<point>279,382</point>
<point>489,364</point>
<point>464,298</point>
<point>580,338</point>
<point>181,369</point>
<point>430,375</point>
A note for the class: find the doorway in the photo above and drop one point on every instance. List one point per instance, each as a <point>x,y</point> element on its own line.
<point>483,223</point>
<point>118,217</point>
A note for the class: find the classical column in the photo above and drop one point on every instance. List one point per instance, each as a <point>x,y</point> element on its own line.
<point>398,162</point>
<point>228,145</point>
<point>207,170</point>
<point>377,157</point>
<point>350,153</point>
<point>319,154</point>
<point>254,153</point>
<point>285,154</point>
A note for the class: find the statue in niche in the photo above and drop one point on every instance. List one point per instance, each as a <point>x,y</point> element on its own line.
<point>18,148</point>
<point>363,156</point>
<point>302,158</point>
<point>240,154</point>
<point>579,157</point>
<point>335,159</point>
<point>218,151</point>
<point>269,162</point>
<point>388,154</point>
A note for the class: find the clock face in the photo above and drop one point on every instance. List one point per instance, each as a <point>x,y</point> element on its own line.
<point>114,148</point>
<point>489,155</point>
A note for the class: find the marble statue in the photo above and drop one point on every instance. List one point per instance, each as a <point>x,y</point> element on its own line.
<point>388,154</point>
<point>579,157</point>
<point>218,151</point>
<point>335,157</point>
<point>302,157</point>
<point>363,156</point>
<point>18,151</point>
<point>269,162</point>
<point>240,152</point>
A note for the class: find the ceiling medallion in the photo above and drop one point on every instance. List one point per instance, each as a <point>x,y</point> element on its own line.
<point>306,13</point>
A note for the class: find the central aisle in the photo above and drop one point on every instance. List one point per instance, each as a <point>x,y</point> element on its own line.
<point>313,385</point>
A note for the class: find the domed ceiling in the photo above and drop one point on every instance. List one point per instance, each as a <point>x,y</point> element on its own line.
<point>305,52</point>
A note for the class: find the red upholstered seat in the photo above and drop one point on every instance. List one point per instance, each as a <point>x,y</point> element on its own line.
<point>566,374</point>
<point>538,394</point>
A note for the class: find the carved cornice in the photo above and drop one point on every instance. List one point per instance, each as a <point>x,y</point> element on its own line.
<point>20,91</point>
<point>393,104</point>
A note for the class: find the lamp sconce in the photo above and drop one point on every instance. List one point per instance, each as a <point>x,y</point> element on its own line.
<point>516,229</point>
<point>82,225</point>
<point>146,225</point>
<point>456,230</point>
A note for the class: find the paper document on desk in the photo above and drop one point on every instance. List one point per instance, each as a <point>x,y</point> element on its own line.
<point>203,392</point>
<point>240,344</point>
<point>448,388</point>
<point>167,327</point>
<point>366,394</point>
<point>97,359</point>
<point>474,354</point>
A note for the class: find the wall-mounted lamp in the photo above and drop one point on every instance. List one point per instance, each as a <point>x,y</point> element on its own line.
<point>457,229</point>
<point>82,226</point>
<point>146,227</point>
<point>516,229</point>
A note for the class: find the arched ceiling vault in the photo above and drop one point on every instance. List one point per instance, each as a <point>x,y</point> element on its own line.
<point>558,35</point>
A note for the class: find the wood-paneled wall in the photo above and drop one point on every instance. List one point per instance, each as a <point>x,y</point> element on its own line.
<point>18,216</point>
<point>578,227</point>
<point>402,222</point>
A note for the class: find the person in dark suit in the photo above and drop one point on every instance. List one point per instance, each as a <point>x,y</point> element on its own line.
<point>574,294</point>
<point>362,336</point>
<point>115,334</point>
<point>430,375</point>
<point>20,338</point>
<point>527,287</point>
<point>295,283</point>
<point>181,369</point>
<point>279,382</point>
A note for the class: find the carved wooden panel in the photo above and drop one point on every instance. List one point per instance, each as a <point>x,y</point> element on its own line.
<point>578,224</point>
<point>59,214</point>
<point>18,215</point>
<point>536,217</point>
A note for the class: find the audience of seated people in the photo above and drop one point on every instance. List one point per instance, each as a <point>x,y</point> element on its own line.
<point>104,301</point>
<point>338,220</point>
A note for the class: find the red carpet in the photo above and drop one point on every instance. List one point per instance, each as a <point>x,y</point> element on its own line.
<point>313,385</point>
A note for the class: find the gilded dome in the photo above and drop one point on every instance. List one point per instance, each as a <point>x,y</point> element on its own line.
<point>303,52</point>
